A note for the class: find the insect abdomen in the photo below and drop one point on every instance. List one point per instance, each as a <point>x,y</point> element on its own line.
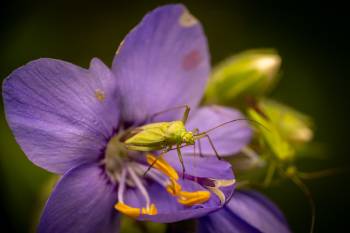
<point>149,135</point>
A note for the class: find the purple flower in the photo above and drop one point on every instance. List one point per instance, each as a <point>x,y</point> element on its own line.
<point>67,120</point>
<point>247,211</point>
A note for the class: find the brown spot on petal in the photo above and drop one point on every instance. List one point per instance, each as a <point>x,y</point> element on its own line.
<point>187,20</point>
<point>191,60</point>
<point>100,95</point>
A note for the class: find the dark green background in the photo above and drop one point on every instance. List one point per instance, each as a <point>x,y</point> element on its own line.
<point>310,36</point>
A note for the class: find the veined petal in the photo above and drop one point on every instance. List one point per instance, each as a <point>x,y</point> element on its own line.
<point>227,139</point>
<point>245,212</point>
<point>162,63</point>
<point>82,202</point>
<point>61,114</point>
<point>197,166</point>
<point>213,174</point>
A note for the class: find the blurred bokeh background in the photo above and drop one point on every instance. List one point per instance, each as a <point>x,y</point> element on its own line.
<point>311,37</point>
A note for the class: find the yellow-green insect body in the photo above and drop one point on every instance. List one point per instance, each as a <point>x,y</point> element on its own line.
<point>163,136</point>
<point>159,136</point>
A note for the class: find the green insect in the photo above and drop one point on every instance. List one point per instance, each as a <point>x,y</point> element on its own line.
<point>166,136</point>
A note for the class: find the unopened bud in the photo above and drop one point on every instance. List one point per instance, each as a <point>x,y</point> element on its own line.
<point>249,74</point>
<point>271,137</point>
<point>293,125</point>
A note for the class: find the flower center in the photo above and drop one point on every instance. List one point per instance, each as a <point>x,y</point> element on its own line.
<point>127,169</point>
<point>120,165</point>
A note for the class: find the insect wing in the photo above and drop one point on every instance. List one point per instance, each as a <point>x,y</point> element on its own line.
<point>152,135</point>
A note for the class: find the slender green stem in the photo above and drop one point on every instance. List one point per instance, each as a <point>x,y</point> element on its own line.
<point>307,193</point>
<point>269,174</point>
<point>319,174</point>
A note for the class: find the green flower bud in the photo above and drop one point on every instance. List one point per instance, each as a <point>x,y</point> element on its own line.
<point>294,126</point>
<point>271,137</point>
<point>249,74</point>
<point>287,129</point>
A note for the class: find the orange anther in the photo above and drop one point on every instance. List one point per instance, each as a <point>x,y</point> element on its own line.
<point>163,166</point>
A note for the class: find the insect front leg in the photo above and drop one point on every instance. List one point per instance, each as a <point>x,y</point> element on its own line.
<point>181,160</point>
<point>202,135</point>
<point>155,161</point>
<point>195,132</point>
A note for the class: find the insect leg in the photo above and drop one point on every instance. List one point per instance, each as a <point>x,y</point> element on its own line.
<point>200,148</point>
<point>155,161</point>
<point>195,132</point>
<point>194,149</point>
<point>151,117</point>
<point>186,113</point>
<point>181,160</point>
<point>212,146</point>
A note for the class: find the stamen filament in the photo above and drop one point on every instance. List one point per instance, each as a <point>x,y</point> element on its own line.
<point>130,211</point>
<point>121,187</point>
<point>140,186</point>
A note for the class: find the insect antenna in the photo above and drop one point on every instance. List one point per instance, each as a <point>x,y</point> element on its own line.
<point>231,121</point>
<point>198,136</point>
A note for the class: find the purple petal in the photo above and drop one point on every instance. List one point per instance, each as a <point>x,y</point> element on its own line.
<point>82,202</point>
<point>162,63</point>
<point>169,210</point>
<point>227,139</point>
<point>245,212</point>
<point>197,166</point>
<point>201,170</point>
<point>61,114</point>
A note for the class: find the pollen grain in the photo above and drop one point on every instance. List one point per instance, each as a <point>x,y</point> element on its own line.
<point>100,95</point>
